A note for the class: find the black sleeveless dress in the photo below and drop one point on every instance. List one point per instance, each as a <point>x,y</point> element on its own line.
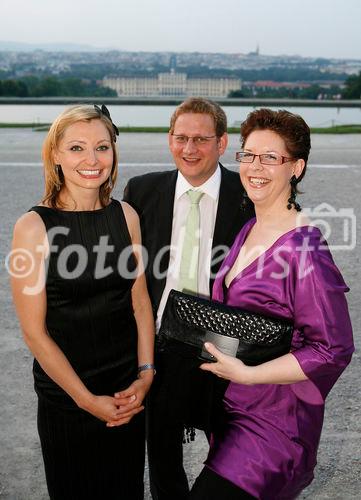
<point>90,272</point>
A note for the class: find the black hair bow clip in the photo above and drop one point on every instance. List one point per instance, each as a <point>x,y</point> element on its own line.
<point>105,111</point>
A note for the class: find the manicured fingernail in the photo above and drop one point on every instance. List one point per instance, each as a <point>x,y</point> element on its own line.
<point>133,398</point>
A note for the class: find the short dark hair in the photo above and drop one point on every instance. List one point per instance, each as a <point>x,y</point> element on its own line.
<point>202,106</point>
<point>291,127</point>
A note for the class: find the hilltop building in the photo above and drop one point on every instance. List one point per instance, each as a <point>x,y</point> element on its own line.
<point>255,53</point>
<point>172,84</point>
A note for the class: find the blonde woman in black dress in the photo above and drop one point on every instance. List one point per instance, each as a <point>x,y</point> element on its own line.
<point>85,315</point>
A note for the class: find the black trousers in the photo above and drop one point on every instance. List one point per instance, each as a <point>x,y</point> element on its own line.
<point>211,486</point>
<point>180,393</point>
<point>167,477</point>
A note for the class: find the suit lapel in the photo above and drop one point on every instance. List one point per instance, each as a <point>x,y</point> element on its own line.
<point>164,210</point>
<point>163,232</point>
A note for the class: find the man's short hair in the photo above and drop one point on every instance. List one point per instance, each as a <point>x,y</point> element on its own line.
<point>202,106</point>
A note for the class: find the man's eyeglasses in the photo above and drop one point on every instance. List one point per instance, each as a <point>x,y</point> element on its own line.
<point>198,140</point>
<point>265,159</point>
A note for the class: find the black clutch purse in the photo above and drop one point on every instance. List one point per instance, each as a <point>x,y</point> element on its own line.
<point>251,337</point>
<point>195,396</point>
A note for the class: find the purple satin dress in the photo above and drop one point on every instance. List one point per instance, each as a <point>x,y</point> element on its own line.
<point>268,443</point>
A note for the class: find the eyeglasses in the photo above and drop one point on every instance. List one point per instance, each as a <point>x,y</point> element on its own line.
<point>265,159</point>
<point>198,140</point>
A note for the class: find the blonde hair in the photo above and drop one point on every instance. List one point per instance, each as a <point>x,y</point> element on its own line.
<point>53,176</point>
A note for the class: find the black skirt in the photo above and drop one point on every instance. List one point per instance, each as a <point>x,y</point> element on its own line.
<point>84,459</point>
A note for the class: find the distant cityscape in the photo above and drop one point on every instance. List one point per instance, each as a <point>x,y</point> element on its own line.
<point>60,60</point>
<point>121,73</point>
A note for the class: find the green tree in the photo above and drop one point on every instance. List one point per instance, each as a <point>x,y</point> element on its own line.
<point>104,92</point>
<point>84,88</point>
<point>236,93</point>
<point>47,87</point>
<point>73,87</point>
<point>14,88</point>
<point>353,87</point>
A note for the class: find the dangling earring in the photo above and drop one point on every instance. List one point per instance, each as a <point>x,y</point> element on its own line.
<point>244,200</point>
<point>110,182</point>
<point>292,199</point>
<point>57,171</point>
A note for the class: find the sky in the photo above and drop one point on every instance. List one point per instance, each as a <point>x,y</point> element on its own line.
<point>309,28</point>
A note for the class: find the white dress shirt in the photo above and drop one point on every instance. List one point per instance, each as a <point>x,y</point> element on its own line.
<point>207,211</point>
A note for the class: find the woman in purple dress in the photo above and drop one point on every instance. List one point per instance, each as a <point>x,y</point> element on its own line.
<point>279,265</point>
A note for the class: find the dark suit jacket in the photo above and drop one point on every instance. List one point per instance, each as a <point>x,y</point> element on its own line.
<point>152,196</point>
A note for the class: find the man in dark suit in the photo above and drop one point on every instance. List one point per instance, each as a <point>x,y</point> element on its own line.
<point>197,139</point>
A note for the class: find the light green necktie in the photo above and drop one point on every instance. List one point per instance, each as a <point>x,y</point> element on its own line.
<point>188,272</point>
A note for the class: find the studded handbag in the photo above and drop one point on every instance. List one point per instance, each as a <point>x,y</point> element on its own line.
<point>193,397</point>
<point>254,338</point>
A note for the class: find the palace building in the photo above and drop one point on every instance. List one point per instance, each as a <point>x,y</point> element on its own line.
<point>172,84</point>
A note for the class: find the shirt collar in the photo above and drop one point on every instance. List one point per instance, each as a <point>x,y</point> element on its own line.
<point>210,187</point>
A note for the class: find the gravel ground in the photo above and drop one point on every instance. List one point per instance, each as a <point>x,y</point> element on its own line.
<point>334,177</point>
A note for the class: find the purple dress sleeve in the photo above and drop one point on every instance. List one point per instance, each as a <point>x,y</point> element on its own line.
<point>320,312</point>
